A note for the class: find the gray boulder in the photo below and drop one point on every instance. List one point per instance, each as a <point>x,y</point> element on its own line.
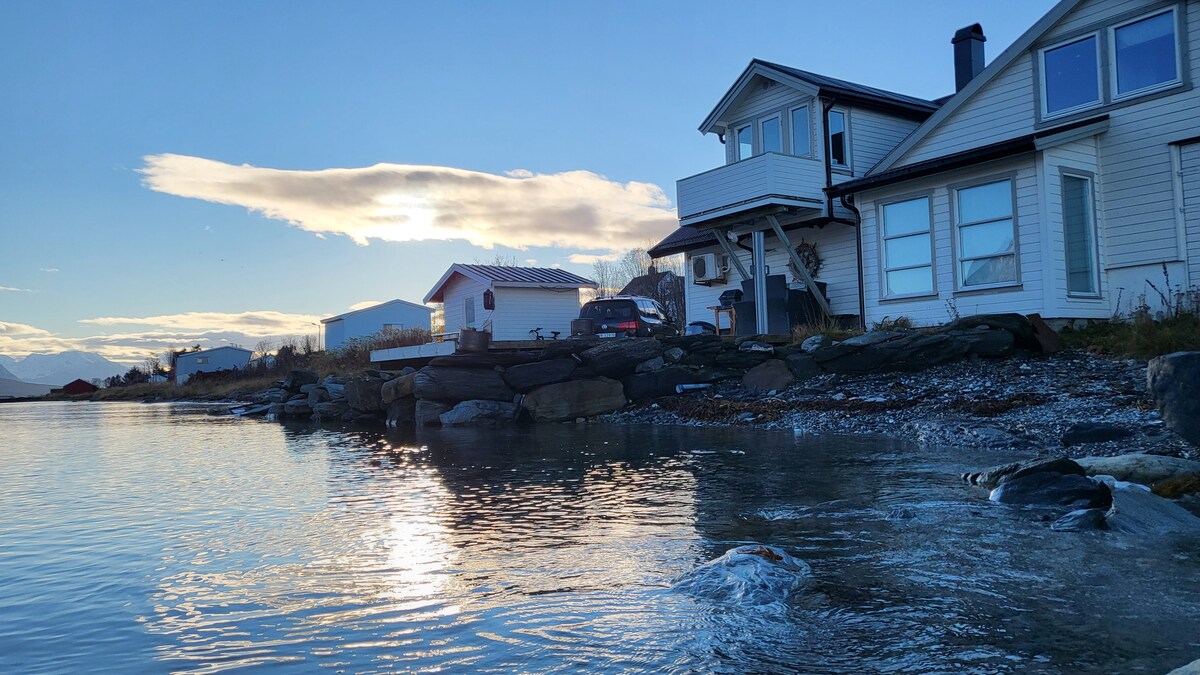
<point>1138,511</point>
<point>1135,468</point>
<point>575,398</point>
<point>740,360</point>
<point>1020,327</point>
<point>803,366</point>
<point>990,478</point>
<point>530,376</point>
<point>486,413</point>
<point>1053,489</point>
<point>298,378</point>
<point>673,355</point>
<point>984,341</point>
<point>330,410</point>
<point>746,576</point>
<point>1192,668</point>
<point>402,413</point>
<point>1094,432</point>
<point>656,363</point>
<point>277,395</point>
<point>335,389</point>
<point>316,394</point>
<point>365,394</point>
<point>662,382</point>
<point>298,408</point>
<point>427,413</point>
<point>398,387</point>
<point>815,342</point>
<point>619,357</point>
<point>756,346</point>
<point>460,384</point>
<point>1081,520</point>
<point>772,375</point>
<point>1174,382</point>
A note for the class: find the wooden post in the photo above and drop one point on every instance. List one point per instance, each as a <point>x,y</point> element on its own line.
<point>800,268</point>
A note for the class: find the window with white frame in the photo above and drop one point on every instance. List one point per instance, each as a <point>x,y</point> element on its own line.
<point>986,235</point>
<point>745,141</point>
<point>772,135</point>
<point>1071,76</point>
<point>1145,54</point>
<point>1079,235</point>
<point>202,360</point>
<point>839,142</point>
<point>801,132</point>
<point>907,248</point>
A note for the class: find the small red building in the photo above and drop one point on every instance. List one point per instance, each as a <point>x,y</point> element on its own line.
<point>79,387</point>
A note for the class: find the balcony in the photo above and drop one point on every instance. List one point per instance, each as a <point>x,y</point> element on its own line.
<point>763,180</point>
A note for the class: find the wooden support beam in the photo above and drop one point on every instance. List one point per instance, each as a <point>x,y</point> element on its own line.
<point>733,259</point>
<point>800,269</point>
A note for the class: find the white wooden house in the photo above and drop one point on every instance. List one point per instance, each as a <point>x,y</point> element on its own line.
<point>210,361</point>
<point>509,302</point>
<point>1059,179</point>
<point>394,314</point>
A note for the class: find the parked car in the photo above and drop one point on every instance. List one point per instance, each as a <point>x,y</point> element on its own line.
<point>624,316</point>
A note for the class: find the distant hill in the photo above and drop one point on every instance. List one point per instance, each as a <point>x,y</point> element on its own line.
<point>6,374</point>
<point>10,388</point>
<point>59,369</point>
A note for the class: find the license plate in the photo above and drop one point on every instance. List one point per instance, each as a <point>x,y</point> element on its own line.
<point>606,335</point>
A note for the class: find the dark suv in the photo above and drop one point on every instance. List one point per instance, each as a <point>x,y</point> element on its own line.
<point>625,316</point>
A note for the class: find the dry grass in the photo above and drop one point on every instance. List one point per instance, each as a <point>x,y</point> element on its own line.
<point>1141,338</point>
<point>827,326</point>
<point>222,389</point>
<point>1174,488</point>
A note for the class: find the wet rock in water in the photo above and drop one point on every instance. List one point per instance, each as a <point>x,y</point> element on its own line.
<point>298,408</point>
<point>460,384</point>
<point>329,410</point>
<point>1136,468</point>
<point>1053,489</point>
<point>576,398</point>
<point>530,376</point>
<point>990,478</point>
<point>1081,520</point>
<point>298,378</point>
<point>621,356</point>
<point>402,413</point>
<point>772,375</point>
<point>1174,382</point>
<point>428,413</point>
<point>746,575</point>
<point>1138,511</point>
<point>803,366</point>
<point>1094,432</point>
<point>1192,668</point>
<point>365,394</point>
<point>479,413</point>
<point>398,387</point>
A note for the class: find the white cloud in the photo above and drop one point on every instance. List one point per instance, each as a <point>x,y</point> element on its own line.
<point>10,289</point>
<point>11,328</point>
<point>589,258</point>
<point>401,202</point>
<point>255,323</point>
<point>50,269</point>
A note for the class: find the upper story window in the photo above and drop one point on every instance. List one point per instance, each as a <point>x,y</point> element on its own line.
<point>1071,76</point>
<point>745,141</point>
<point>839,145</point>
<point>1145,54</point>
<point>907,248</point>
<point>986,235</point>
<point>801,132</point>
<point>772,135</point>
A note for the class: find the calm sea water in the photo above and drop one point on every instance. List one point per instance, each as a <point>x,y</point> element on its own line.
<point>156,538</point>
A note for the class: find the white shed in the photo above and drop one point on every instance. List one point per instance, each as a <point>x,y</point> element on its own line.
<point>394,314</point>
<point>210,361</point>
<point>509,302</point>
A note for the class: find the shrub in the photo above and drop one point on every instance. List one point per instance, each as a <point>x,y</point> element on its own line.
<point>826,325</point>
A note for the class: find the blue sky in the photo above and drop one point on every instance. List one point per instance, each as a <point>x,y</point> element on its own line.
<point>616,89</point>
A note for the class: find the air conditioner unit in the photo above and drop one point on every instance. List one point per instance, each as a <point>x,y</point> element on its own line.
<point>707,267</point>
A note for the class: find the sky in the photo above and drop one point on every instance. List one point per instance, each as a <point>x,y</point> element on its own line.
<point>223,172</point>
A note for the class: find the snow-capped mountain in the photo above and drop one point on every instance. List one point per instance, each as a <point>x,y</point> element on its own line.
<point>59,369</point>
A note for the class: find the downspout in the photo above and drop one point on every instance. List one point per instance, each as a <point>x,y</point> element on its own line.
<point>862,294</point>
<point>826,106</point>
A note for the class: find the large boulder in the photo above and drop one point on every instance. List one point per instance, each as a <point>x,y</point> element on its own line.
<point>298,378</point>
<point>1094,432</point>
<point>990,478</point>
<point>803,366</point>
<point>398,387</point>
<point>619,357</point>
<point>427,413</point>
<point>483,360</point>
<point>746,576</point>
<point>298,408</point>
<point>768,376</point>
<point>1136,468</point>
<point>1192,668</point>
<point>460,384</point>
<point>1138,511</point>
<point>881,351</point>
<point>662,382</point>
<point>575,398</point>
<point>984,341</point>
<point>402,413</point>
<point>486,413</point>
<point>365,394</point>
<point>1053,489</point>
<point>1020,327</point>
<point>1174,382</point>
<point>1081,520</point>
<point>330,410</point>
<point>740,360</point>
<point>530,376</point>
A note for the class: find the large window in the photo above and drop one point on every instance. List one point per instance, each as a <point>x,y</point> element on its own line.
<point>1145,54</point>
<point>469,312</point>
<point>986,235</point>
<point>907,248</point>
<point>1079,233</point>
<point>839,146</point>
<point>1070,76</point>
<point>745,142</point>
<point>772,135</point>
<point>801,133</point>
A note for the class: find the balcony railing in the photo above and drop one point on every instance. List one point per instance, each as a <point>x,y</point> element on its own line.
<point>759,181</point>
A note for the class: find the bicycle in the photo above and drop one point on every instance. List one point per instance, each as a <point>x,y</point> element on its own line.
<point>536,334</point>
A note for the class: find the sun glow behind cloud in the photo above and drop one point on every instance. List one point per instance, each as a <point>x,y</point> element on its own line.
<point>402,202</point>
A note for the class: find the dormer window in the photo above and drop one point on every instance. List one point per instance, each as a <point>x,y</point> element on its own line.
<point>839,146</point>
<point>1071,76</point>
<point>1145,54</point>
<point>772,135</point>
<point>745,142</point>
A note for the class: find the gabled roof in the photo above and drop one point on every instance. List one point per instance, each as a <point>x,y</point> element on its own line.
<point>214,349</point>
<point>818,84</point>
<point>494,276</point>
<point>389,303</point>
<point>1027,39</point>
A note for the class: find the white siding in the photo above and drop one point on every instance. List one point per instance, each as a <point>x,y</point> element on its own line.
<point>519,310</point>
<point>835,244</point>
<point>457,290</point>
<point>757,102</point>
<point>873,135</point>
<point>1189,156</point>
<point>372,320</point>
<point>759,177</point>
<point>935,309</point>
<point>219,358</point>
